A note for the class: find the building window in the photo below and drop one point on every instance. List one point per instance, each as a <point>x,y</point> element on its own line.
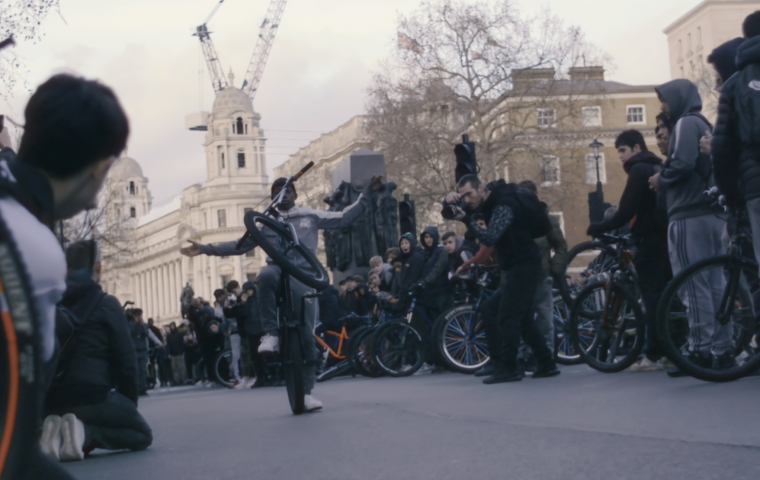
<point>688,44</point>
<point>635,114</point>
<point>222,217</point>
<point>592,116</point>
<point>132,212</point>
<point>240,129</point>
<point>251,277</point>
<point>561,219</point>
<point>549,171</point>
<point>118,213</point>
<point>131,188</point>
<point>222,160</point>
<point>545,117</point>
<point>246,129</point>
<point>591,169</point>
<point>241,160</point>
<point>225,280</point>
<point>699,38</point>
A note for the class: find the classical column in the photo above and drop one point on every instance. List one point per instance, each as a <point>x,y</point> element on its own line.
<point>177,284</point>
<point>162,289</point>
<point>214,277</point>
<point>238,263</point>
<point>144,300</point>
<point>154,291</point>
<point>167,290</point>
<point>149,305</point>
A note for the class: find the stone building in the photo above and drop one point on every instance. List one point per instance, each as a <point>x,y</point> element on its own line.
<point>142,262</point>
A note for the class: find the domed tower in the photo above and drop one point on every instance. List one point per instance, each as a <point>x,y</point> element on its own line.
<point>127,195</point>
<point>234,142</point>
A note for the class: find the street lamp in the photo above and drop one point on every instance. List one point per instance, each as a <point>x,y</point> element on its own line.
<point>596,204</point>
<point>595,146</point>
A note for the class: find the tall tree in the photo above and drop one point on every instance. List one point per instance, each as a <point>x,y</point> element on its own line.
<point>479,67</point>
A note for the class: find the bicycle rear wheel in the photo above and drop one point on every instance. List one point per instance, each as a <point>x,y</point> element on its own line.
<point>608,345</point>
<point>732,301</point>
<point>461,340</point>
<point>360,353</point>
<point>292,368</point>
<point>222,369</point>
<point>397,349</point>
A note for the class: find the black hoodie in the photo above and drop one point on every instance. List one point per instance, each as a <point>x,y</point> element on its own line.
<point>735,147</point>
<point>638,202</point>
<point>414,265</point>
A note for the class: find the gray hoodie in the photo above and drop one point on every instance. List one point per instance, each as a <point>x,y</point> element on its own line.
<point>687,172</point>
<point>307,222</point>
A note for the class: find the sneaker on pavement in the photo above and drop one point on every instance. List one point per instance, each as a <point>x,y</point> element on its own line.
<point>646,365</point>
<point>310,403</point>
<point>72,435</point>
<point>256,383</point>
<point>486,371</point>
<point>50,442</point>
<point>269,344</point>
<point>425,368</point>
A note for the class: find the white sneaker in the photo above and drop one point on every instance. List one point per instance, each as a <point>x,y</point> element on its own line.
<point>646,365</point>
<point>310,403</point>
<point>241,384</point>
<point>72,433</point>
<point>269,344</point>
<point>50,442</point>
<point>251,382</point>
<point>425,368</point>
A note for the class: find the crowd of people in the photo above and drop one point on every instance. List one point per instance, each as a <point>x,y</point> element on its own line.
<point>90,359</point>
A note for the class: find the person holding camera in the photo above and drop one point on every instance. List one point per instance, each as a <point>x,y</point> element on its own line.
<point>514,217</point>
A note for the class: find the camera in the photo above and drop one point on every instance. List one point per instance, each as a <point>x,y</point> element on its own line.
<point>450,212</point>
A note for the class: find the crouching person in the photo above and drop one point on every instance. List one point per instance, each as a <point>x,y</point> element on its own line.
<point>92,402</point>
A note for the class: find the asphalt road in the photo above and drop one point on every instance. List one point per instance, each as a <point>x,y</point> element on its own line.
<point>582,424</point>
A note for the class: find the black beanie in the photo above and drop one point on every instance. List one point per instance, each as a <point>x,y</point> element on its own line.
<point>751,25</point>
<point>279,183</point>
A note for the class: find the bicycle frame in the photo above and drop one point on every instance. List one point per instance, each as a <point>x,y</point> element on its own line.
<point>343,335</point>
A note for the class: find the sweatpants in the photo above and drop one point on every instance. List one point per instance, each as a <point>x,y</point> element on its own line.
<point>268,283</point>
<point>512,304</point>
<point>114,424</point>
<point>235,347</point>
<point>689,241</point>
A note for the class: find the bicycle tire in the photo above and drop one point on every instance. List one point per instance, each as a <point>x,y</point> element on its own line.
<point>564,352</point>
<point>359,353</point>
<point>742,340</point>
<point>612,339</point>
<point>318,281</point>
<point>568,287</point>
<point>398,349</point>
<point>292,369</point>
<point>222,370</point>
<point>461,350</point>
<point>340,368</point>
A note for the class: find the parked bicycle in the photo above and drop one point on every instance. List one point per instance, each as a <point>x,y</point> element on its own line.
<point>338,360</point>
<point>607,326</point>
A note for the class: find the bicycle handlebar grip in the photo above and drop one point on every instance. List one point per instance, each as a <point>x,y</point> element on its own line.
<point>303,170</point>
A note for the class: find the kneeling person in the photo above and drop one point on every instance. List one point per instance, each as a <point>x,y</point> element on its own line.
<point>97,355</point>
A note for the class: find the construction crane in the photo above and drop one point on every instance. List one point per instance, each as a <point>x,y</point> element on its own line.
<point>267,31</point>
<point>218,80</point>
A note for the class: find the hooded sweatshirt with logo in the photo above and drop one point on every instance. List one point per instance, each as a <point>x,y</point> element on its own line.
<point>735,146</point>
<point>687,172</point>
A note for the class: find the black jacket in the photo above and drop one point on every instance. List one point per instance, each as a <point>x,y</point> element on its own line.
<point>329,307</point>
<point>104,355</point>
<point>516,246</point>
<point>436,269</point>
<point>465,251</point>
<point>176,344</point>
<point>638,202</point>
<point>247,316</point>
<point>414,265</point>
<point>735,146</point>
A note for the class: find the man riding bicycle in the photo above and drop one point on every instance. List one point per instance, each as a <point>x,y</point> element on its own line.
<point>307,222</point>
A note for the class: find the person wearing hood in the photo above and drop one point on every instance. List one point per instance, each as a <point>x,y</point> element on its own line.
<point>459,250</point>
<point>695,228</point>
<point>511,219</point>
<point>413,258</point>
<point>92,402</point>
<point>639,208</point>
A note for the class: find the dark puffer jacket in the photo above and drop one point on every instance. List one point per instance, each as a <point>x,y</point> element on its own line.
<point>413,268</point>
<point>435,271</point>
<point>329,307</point>
<point>104,355</point>
<point>735,147</point>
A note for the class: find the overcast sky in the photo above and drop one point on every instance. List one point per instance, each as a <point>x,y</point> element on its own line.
<point>319,68</point>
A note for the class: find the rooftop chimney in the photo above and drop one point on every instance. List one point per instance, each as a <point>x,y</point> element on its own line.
<point>585,74</point>
<point>525,78</point>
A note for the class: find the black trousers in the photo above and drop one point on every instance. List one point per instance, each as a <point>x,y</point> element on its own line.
<point>114,424</point>
<point>508,316</point>
<point>653,269</point>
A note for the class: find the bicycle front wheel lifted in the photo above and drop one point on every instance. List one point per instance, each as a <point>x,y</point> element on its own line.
<point>292,368</point>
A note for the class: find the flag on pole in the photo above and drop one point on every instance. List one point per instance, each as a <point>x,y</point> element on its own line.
<point>407,43</point>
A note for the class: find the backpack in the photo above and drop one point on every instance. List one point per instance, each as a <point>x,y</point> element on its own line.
<point>534,213</point>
